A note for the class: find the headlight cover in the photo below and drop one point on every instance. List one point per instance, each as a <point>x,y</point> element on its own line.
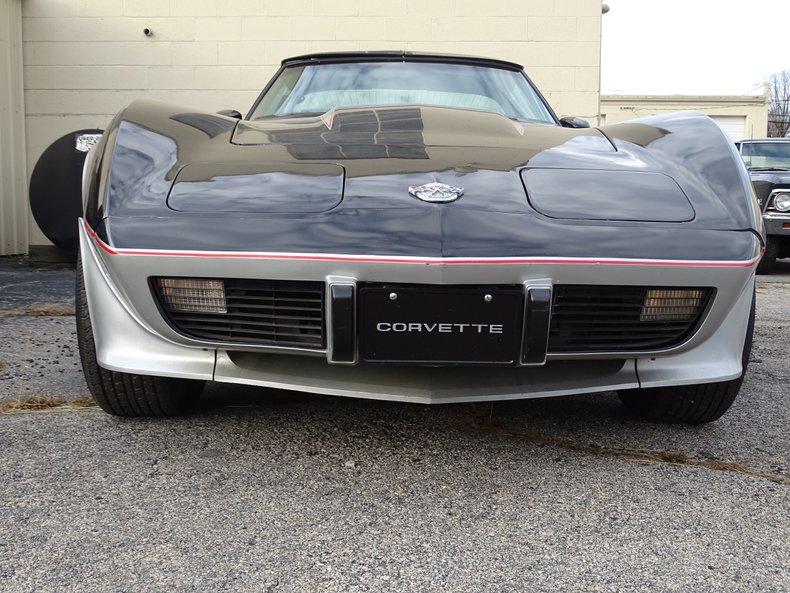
<point>781,201</point>
<point>583,194</point>
<point>275,188</point>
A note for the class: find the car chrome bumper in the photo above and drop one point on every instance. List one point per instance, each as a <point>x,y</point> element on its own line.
<point>132,336</point>
<point>777,224</point>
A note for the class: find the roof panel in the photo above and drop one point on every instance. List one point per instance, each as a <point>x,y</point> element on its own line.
<point>399,56</point>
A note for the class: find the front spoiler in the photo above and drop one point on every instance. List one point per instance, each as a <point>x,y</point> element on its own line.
<point>426,385</point>
<point>127,341</point>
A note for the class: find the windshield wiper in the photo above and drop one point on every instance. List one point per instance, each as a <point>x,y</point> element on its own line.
<point>769,168</point>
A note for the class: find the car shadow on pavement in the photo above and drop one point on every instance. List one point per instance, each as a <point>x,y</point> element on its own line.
<point>586,424</point>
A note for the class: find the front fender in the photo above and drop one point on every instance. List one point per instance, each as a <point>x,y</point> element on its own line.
<point>689,147</point>
<point>133,166</point>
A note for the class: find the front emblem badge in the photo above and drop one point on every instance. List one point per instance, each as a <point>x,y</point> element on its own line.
<point>437,193</point>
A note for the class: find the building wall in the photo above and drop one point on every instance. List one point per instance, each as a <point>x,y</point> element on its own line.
<point>617,108</point>
<point>13,194</point>
<point>84,60</point>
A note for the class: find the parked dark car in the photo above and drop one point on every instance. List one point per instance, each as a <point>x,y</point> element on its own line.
<point>420,228</point>
<point>768,162</point>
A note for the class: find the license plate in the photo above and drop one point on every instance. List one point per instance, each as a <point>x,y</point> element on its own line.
<point>454,325</point>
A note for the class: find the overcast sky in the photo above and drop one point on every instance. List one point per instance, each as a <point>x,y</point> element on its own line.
<point>693,47</point>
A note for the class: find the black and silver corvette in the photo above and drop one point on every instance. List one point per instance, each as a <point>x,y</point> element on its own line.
<point>419,228</point>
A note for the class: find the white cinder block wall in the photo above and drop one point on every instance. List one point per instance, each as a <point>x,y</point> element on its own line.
<point>13,176</point>
<point>84,60</point>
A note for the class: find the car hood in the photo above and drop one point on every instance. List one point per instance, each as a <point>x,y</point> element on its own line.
<point>341,181</point>
<point>772,177</point>
<point>386,150</point>
<point>624,172</point>
<point>366,132</point>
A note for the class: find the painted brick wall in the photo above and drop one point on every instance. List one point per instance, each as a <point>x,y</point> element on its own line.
<point>13,188</point>
<point>84,60</point>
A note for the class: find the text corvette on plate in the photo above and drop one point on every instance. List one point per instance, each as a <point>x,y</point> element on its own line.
<point>442,328</point>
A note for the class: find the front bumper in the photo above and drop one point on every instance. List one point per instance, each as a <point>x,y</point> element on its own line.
<point>132,336</point>
<point>777,224</point>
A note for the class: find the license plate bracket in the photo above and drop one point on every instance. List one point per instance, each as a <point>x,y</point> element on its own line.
<point>441,325</point>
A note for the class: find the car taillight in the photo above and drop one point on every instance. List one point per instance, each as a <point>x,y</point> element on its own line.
<point>192,295</point>
<point>672,305</point>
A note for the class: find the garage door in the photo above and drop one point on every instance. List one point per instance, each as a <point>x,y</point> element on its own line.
<point>733,125</point>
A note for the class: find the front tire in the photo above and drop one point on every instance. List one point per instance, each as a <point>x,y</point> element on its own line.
<point>689,404</point>
<point>768,261</point>
<point>127,394</point>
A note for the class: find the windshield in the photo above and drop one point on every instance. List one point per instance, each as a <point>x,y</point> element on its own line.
<point>312,89</point>
<point>767,156</point>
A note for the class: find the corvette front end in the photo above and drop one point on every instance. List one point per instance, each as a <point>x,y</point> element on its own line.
<point>135,332</point>
<point>415,252</point>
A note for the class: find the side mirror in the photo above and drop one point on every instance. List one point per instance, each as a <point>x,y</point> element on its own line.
<point>230,113</point>
<point>574,122</point>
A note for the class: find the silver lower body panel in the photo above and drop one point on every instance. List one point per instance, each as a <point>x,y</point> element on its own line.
<point>429,385</point>
<point>131,336</point>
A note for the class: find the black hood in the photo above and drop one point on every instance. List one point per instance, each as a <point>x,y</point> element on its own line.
<point>340,182</point>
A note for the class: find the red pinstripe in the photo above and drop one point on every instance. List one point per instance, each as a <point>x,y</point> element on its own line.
<point>421,260</point>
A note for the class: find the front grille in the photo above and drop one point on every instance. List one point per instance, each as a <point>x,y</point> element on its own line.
<point>260,312</point>
<point>610,319</point>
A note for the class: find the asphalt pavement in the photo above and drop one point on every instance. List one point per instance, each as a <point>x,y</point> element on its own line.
<point>270,491</point>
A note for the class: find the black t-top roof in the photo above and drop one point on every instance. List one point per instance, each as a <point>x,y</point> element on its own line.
<point>397,56</point>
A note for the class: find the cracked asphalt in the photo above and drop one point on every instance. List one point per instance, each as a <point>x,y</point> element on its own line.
<point>263,490</point>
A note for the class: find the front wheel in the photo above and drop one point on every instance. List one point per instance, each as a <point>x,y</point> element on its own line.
<point>127,394</point>
<point>689,404</point>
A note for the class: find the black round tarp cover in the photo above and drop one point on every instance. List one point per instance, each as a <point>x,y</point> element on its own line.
<point>56,187</point>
